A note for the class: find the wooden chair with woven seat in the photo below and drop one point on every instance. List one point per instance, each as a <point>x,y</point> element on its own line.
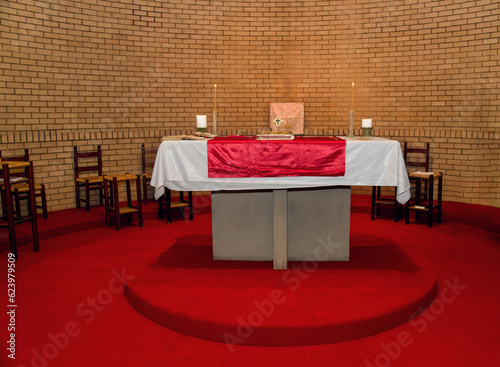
<point>414,158</point>
<point>112,201</point>
<point>379,199</point>
<point>90,161</point>
<point>423,200</point>
<point>20,189</point>
<point>148,162</point>
<point>165,201</point>
<point>9,215</point>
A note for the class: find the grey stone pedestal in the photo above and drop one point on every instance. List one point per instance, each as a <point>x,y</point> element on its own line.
<point>282,225</point>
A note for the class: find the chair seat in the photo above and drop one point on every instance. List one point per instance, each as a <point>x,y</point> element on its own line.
<point>90,179</point>
<point>122,177</point>
<point>127,210</point>
<point>24,187</point>
<point>14,180</point>
<point>179,204</point>
<point>147,175</point>
<point>424,175</point>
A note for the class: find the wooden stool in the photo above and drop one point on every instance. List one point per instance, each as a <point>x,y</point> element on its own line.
<point>112,202</point>
<point>21,192</point>
<point>9,214</point>
<point>166,201</point>
<point>378,200</point>
<point>20,188</point>
<point>426,206</point>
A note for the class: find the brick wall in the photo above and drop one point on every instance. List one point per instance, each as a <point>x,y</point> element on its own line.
<point>118,73</point>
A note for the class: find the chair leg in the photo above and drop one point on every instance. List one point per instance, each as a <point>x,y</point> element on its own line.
<point>106,202</point>
<point>160,206</point>
<point>430,202</point>
<point>32,206</point>
<point>129,193</point>
<point>407,212</point>
<point>145,190</point>
<point>396,206</point>
<point>168,196</point>
<point>87,195</point>
<point>139,201</point>
<point>17,201</point>
<point>377,207</point>
<point>101,196</point>
<point>77,194</point>
<point>190,199</point>
<point>117,203</point>
<point>374,193</point>
<point>418,191</point>
<point>440,198</point>
<point>9,208</point>
<point>44,201</point>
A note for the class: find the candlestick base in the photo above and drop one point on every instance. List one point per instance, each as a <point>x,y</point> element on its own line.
<point>201,129</point>
<point>350,133</point>
<point>215,123</point>
<point>367,131</point>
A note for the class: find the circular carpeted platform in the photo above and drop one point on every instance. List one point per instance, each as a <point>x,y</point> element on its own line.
<point>249,303</point>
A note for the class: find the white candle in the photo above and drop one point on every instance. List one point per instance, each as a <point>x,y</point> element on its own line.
<point>201,121</point>
<point>215,98</point>
<point>366,123</point>
<point>352,96</point>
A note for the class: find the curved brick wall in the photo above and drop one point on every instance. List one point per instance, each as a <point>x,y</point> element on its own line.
<point>118,73</point>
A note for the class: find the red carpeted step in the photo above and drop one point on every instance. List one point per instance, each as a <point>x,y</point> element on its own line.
<point>248,303</point>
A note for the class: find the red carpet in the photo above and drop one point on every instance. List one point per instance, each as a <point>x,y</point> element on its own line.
<point>248,303</point>
<point>72,310</point>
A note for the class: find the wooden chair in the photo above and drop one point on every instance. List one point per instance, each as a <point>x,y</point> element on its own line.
<point>417,159</point>
<point>379,200</point>
<point>112,201</point>
<point>414,158</point>
<point>428,206</point>
<point>166,201</point>
<point>148,162</point>
<point>20,189</point>
<point>92,162</point>
<point>9,214</point>
<point>423,178</point>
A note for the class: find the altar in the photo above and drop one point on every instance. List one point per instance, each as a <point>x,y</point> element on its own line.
<point>301,218</point>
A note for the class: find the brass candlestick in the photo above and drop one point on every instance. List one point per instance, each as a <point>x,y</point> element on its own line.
<point>367,131</point>
<point>351,124</point>
<point>215,123</point>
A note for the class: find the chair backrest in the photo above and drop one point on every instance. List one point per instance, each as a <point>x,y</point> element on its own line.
<point>92,159</point>
<point>148,159</point>
<point>17,158</point>
<point>417,157</point>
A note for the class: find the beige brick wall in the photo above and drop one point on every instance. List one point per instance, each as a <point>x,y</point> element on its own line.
<point>118,73</point>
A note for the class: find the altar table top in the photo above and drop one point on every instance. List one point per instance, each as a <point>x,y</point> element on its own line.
<point>183,166</point>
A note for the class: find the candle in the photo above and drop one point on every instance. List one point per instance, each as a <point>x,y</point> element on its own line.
<point>366,123</point>
<point>215,99</point>
<point>352,95</point>
<point>201,121</point>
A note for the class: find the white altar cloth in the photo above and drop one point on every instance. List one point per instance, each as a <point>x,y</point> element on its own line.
<point>182,166</point>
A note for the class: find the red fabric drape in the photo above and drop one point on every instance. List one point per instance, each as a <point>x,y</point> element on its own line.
<point>236,156</point>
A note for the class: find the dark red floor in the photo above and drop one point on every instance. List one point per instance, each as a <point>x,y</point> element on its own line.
<point>72,310</point>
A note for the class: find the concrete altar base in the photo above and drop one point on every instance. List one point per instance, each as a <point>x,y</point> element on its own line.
<point>312,224</point>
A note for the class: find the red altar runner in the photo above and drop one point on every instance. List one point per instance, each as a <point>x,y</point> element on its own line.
<point>241,156</point>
